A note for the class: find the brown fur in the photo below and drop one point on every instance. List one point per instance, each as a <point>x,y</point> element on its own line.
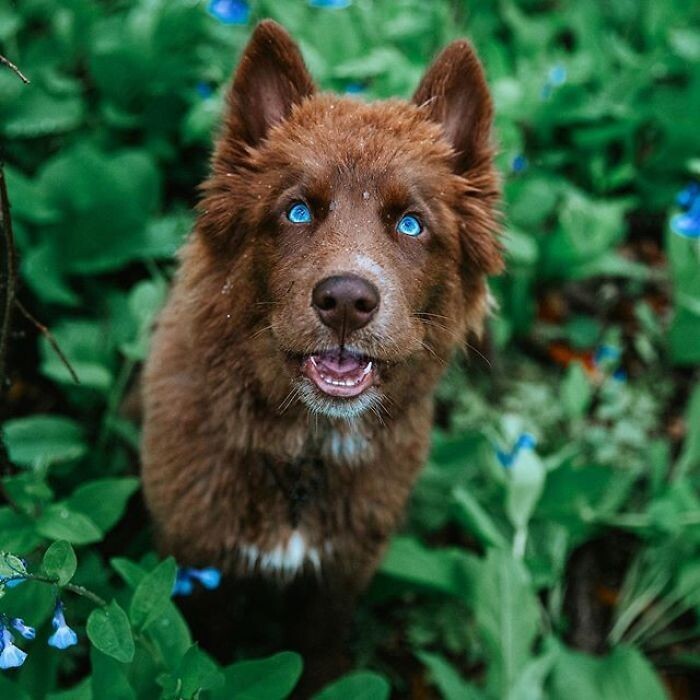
<point>227,439</point>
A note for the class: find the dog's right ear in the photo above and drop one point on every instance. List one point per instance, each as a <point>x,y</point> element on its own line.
<point>271,78</point>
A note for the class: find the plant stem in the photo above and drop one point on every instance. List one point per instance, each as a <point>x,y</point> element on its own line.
<point>72,587</point>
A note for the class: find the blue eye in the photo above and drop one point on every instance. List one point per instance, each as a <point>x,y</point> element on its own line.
<point>410,225</point>
<point>299,213</point>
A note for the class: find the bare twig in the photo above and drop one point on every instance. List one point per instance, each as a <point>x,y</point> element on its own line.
<point>8,274</point>
<point>50,337</point>
<point>13,67</point>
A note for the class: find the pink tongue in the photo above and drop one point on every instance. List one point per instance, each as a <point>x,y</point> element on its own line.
<point>333,362</point>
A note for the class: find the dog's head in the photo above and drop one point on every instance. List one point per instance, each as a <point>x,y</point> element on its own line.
<point>365,230</point>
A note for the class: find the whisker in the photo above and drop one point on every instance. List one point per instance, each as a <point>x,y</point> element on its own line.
<point>479,353</point>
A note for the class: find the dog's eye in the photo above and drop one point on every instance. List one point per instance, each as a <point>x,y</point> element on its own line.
<point>410,225</point>
<point>299,213</point>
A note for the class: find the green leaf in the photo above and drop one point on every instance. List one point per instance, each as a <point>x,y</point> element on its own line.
<point>443,570</point>
<point>451,685</point>
<point>109,630</point>
<point>103,500</point>
<point>195,673</point>
<point>476,520</point>
<point>60,562</point>
<point>622,675</point>
<point>272,678</point>
<point>41,440</point>
<point>81,691</point>
<point>10,565</point>
<point>59,522</point>
<point>358,685</point>
<point>507,616</point>
<point>17,531</point>
<point>109,678</point>
<point>576,391</point>
<point>152,594</point>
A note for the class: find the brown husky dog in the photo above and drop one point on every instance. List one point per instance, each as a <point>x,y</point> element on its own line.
<point>338,261</point>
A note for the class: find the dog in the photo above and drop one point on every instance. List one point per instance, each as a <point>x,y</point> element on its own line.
<point>338,261</point>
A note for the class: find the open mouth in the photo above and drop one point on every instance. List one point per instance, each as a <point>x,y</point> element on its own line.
<point>341,373</point>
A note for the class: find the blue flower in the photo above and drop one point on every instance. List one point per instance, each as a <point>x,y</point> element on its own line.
<point>26,631</point>
<point>14,582</point>
<point>183,583</point>
<point>64,636</point>
<point>10,656</point>
<point>605,353</point>
<point>619,375</point>
<point>687,196</point>
<point>557,75</point>
<point>331,4</point>
<point>526,441</point>
<point>354,89</point>
<point>209,577</point>
<point>204,90</point>
<point>687,224</point>
<point>229,11</point>
<point>519,163</point>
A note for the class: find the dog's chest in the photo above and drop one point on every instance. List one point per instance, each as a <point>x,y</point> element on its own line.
<point>301,506</point>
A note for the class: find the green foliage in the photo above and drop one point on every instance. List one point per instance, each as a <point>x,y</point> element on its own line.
<point>595,344</point>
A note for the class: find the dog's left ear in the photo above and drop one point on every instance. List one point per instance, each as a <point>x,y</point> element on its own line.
<point>454,94</point>
<point>271,78</point>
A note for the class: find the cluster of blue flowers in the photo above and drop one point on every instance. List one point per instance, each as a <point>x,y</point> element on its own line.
<point>209,578</point>
<point>229,11</point>
<point>687,223</point>
<point>526,441</point>
<point>12,656</point>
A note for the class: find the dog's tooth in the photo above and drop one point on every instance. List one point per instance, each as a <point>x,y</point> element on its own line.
<point>367,369</point>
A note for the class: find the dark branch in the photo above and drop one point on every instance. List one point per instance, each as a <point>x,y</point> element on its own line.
<point>50,337</point>
<point>13,67</point>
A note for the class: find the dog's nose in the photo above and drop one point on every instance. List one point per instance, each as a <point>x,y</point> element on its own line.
<point>345,303</point>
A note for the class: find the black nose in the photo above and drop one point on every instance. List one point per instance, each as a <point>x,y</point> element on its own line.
<point>345,303</point>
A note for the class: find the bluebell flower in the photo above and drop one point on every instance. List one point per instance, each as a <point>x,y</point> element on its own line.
<point>619,375</point>
<point>354,89</point>
<point>209,577</point>
<point>25,630</point>
<point>204,90</point>
<point>688,195</point>
<point>331,4</point>
<point>14,582</point>
<point>687,224</point>
<point>526,441</point>
<point>557,75</point>
<point>605,353</point>
<point>519,163</point>
<point>183,583</point>
<point>10,656</point>
<point>64,636</point>
<point>229,11</point>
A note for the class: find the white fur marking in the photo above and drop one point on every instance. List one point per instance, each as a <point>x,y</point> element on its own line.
<point>286,558</point>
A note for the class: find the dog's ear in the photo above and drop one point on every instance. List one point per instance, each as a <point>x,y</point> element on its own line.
<point>454,94</point>
<point>271,78</point>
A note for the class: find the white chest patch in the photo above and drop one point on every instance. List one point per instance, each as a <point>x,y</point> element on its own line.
<point>287,558</point>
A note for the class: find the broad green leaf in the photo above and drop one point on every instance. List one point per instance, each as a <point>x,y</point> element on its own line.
<point>109,679</point>
<point>196,672</point>
<point>103,500</point>
<point>476,520</point>
<point>272,678</point>
<point>109,630</point>
<point>443,570</point>
<point>81,691</point>
<point>17,532</point>
<point>576,391</point>
<point>452,686</point>
<point>152,594</point>
<point>507,616</point>
<point>59,522</point>
<point>622,675</point>
<point>359,685</point>
<point>60,562</point>
<point>41,440</point>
